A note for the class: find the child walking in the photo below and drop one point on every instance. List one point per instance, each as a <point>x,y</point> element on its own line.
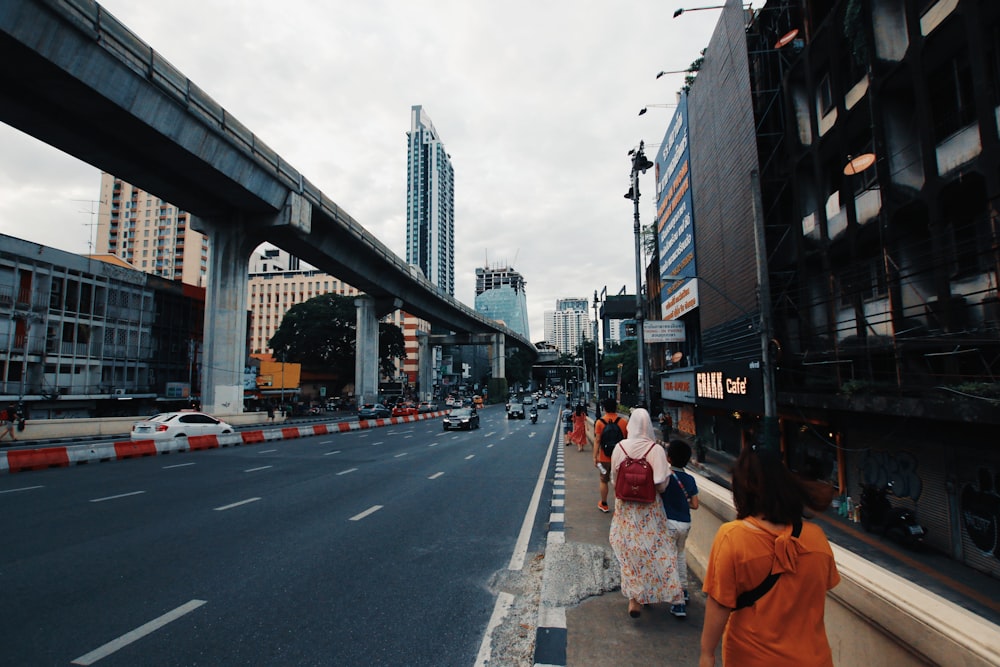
<point>679,498</point>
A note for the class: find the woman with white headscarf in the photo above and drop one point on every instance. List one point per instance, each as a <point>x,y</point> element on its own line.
<point>647,557</point>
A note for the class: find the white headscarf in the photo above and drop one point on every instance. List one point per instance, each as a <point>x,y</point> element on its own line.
<point>640,437</point>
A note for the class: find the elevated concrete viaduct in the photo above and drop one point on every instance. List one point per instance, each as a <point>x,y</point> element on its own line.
<point>76,78</point>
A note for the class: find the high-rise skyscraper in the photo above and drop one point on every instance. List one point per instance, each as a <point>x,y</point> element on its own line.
<point>568,326</point>
<point>430,203</point>
<point>150,234</point>
<point>500,296</point>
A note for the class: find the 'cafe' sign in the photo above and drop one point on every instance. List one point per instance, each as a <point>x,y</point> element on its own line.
<point>734,385</point>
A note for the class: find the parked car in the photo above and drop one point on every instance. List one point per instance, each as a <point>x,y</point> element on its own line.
<point>515,411</point>
<point>374,411</point>
<point>461,418</point>
<point>167,425</point>
<point>404,410</point>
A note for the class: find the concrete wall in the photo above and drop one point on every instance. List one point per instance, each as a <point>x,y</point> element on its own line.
<point>872,612</point>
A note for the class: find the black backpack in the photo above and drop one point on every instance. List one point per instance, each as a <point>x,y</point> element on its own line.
<point>611,436</point>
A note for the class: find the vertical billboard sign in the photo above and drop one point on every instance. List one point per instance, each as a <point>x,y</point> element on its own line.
<point>674,218</point>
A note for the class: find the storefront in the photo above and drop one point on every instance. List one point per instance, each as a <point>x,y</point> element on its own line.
<point>729,404</point>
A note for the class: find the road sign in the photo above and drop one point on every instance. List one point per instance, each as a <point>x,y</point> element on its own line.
<point>663,331</point>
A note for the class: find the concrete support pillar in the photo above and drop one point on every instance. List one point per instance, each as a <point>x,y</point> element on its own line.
<point>366,351</point>
<point>425,366</point>
<point>498,359</point>
<point>231,241</point>
<point>225,345</point>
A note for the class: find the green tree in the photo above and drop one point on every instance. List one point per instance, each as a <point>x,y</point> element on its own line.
<point>517,367</point>
<point>320,334</point>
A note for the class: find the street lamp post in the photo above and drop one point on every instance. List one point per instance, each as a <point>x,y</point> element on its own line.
<point>597,361</point>
<point>640,163</point>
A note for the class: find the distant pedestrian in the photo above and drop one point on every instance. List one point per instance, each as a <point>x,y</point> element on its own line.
<point>270,412</point>
<point>602,458</point>
<point>579,434</point>
<point>567,417</point>
<point>679,498</point>
<point>7,423</point>
<point>666,425</point>
<point>639,529</point>
<point>784,624</point>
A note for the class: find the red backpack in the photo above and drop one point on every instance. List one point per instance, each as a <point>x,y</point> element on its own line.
<point>634,480</point>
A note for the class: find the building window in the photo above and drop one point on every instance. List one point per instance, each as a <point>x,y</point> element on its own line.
<point>952,97</point>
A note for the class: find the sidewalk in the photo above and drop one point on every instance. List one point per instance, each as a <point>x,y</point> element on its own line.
<point>581,589</point>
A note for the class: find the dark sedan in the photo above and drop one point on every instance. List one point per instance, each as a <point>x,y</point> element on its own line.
<point>461,418</point>
<point>373,411</point>
<point>515,411</point>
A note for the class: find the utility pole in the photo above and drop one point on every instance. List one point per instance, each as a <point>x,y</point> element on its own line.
<point>639,164</point>
<point>769,438</point>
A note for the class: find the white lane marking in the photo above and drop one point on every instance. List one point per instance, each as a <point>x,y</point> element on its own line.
<point>257,469</point>
<point>178,465</point>
<point>398,455</point>
<point>344,472</point>
<point>409,436</point>
<point>336,451</point>
<point>435,475</point>
<point>489,445</point>
<point>237,504</point>
<point>326,442</point>
<point>521,548</point>
<point>370,510</point>
<point>137,634</point>
<point>500,609</point>
<point>23,488</point>
<point>470,456</point>
<point>489,434</point>
<point>433,444</point>
<point>267,451</point>
<point>120,495</point>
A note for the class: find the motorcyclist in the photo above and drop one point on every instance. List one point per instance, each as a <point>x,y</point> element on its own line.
<point>533,414</point>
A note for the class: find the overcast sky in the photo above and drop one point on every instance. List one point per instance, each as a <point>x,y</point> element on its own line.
<point>536,102</point>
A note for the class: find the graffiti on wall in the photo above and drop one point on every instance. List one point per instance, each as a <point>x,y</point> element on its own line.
<point>879,468</point>
<point>980,501</point>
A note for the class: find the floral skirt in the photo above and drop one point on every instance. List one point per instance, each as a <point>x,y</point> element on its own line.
<point>648,558</point>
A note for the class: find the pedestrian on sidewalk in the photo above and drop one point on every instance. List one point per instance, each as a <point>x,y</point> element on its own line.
<point>7,423</point>
<point>579,434</point>
<point>679,498</point>
<point>567,417</point>
<point>639,529</point>
<point>603,446</point>
<point>666,425</point>
<point>784,625</point>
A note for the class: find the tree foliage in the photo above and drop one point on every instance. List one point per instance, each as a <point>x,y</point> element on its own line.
<point>320,334</point>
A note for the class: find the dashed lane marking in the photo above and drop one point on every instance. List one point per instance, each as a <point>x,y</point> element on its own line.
<point>137,634</point>
<point>257,469</point>
<point>398,455</point>
<point>236,504</point>
<point>120,495</point>
<point>23,488</point>
<point>371,510</point>
<point>344,472</point>
<point>336,451</point>
<point>470,456</point>
<point>435,475</point>
<point>178,465</point>
<point>267,451</point>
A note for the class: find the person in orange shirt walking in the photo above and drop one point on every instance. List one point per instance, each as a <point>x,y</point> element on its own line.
<point>605,444</point>
<point>765,620</point>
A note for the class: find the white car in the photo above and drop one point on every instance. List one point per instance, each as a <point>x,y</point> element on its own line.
<point>182,424</point>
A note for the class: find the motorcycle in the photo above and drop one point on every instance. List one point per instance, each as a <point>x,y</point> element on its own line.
<point>877,514</point>
<point>533,414</point>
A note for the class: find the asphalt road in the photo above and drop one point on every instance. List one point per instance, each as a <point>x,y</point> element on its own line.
<point>373,547</point>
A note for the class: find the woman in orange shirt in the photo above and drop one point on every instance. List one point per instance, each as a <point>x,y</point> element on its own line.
<point>785,626</point>
<point>579,435</point>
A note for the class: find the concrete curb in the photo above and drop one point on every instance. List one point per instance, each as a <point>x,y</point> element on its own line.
<point>40,458</point>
